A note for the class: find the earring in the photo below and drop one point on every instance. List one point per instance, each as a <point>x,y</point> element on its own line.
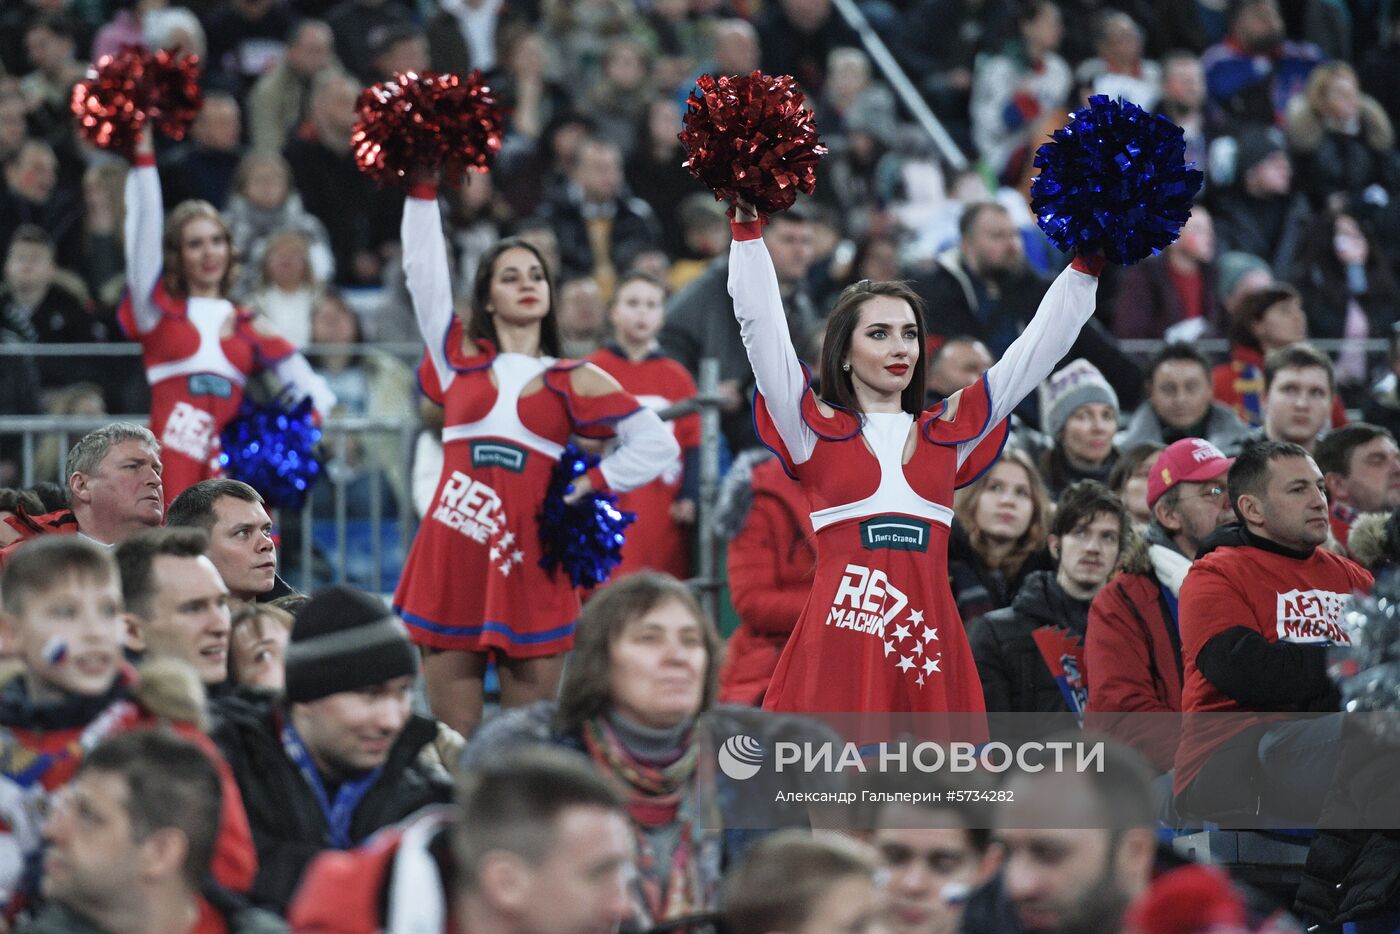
<point>846,367</point>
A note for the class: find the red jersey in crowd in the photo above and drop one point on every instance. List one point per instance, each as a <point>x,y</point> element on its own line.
<point>655,540</point>
<point>1254,617</point>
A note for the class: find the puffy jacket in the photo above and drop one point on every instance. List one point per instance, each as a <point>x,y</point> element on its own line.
<point>1014,675</point>
<point>977,589</point>
<point>41,748</point>
<point>772,561</point>
<point>288,826</point>
<point>1133,648</point>
<point>21,527</point>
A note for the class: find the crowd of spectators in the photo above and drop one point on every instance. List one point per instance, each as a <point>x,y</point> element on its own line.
<point>1149,485</point>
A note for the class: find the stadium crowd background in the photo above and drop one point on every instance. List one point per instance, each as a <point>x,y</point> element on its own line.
<point>1286,274</point>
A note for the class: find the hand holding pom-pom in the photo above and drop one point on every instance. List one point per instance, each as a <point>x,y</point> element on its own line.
<point>581,529</point>
<point>1114,181</point>
<point>437,120</point>
<point>122,93</point>
<point>749,138</point>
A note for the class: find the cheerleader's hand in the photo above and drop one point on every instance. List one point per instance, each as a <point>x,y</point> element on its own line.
<point>744,212</point>
<point>581,488</point>
<point>422,175</point>
<point>144,145</point>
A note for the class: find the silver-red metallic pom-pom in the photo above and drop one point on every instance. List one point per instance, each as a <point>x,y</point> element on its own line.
<point>749,137</point>
<point>427,120</point>
<point>121,93</point>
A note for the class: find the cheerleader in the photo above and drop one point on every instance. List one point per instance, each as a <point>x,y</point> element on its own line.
<point>880,631</point>
<point>199,349</point>
<point>473,587</point>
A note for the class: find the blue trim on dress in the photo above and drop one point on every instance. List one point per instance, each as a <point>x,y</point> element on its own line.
<point>468,632</point>
<point>1005,437</point>
<point>932,425</point>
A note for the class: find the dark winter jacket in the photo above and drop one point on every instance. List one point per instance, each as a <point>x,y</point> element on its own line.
<point>700,323</point>
<point>978,589</point>
<point>1147,303</point>
<point>634,231</point>
<point>1014,675</point>
<point>288,826</point>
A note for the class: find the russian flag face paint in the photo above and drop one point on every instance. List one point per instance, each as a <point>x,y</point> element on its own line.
<point>55,650</point>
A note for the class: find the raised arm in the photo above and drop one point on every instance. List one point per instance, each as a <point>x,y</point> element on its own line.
<point>425,269</point>
<point>758,305</point>
<point>144,227</point>
<point>1067,305</point>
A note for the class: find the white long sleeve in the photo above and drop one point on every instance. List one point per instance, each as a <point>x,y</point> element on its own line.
<point>1068,304</point>
<point>144,227</point>
<point>294,371</point>
<point>429,285</point>
<point>645,448</point>
<point>758,306</point>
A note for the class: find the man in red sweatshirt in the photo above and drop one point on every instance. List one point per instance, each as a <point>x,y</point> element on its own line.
<point>1258,611</point>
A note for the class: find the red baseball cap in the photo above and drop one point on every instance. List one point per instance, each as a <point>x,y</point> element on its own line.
<point>1190,460</point>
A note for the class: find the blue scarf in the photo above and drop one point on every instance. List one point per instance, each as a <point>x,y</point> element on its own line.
<point>339,813</point>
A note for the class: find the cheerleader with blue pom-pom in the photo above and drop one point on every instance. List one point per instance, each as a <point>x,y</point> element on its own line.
<point>880,631</point>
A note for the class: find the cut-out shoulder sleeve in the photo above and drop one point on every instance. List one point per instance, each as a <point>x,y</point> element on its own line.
<point>144,226</point>
<point>778,374</point>
<point>425,269</point>
<point>1067,305</point>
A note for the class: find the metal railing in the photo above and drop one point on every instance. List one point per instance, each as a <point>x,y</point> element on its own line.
<point>359,522</point>
<point>356,526</point>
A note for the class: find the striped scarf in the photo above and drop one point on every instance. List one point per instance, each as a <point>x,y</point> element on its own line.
<point>658,796</point>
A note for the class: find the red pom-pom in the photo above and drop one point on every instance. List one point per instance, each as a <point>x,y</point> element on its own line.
<point>123,91</point>
<point>428,120</point>
<point>749,137</point>
<point>174,92</point>
<point>1189,900</point>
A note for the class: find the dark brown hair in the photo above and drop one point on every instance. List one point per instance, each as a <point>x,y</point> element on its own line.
<point>136,558</point>
<point>1299,356</point>
<point>586,688</point>
<point>1251,311</point>
<point>841,326</point>
<point>482,323</point>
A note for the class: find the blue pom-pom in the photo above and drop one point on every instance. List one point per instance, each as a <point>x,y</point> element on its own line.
<point>584,537</point>
<point>272,448</point>
<point>1114,181</point>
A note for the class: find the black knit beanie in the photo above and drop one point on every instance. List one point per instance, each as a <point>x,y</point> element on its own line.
<point>345,640</point>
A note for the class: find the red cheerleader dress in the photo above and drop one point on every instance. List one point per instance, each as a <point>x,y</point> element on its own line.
<point>472,582</point>
<point>196,371</point>
<point>655,540</point>
<point>880,631</point>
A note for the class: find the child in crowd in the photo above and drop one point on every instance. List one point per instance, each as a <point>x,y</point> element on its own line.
<point>62,619</point>
<point>665,507</point>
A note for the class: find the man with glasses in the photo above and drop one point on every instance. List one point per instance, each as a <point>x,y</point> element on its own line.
<point>1132,649</point>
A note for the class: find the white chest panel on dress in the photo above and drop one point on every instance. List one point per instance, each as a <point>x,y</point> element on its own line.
<point>208,315</point>
<point>513,373</point>
<point>887,433</point>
